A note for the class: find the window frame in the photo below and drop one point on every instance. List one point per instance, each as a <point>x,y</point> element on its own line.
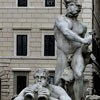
<point>19,73</point>
<point>49,45</point>
<point>43,34</point>
<point>50,6</point>
<point>52,74</point>
<point>21,45</point>
<point>15,42</point>
<point>22,6</point>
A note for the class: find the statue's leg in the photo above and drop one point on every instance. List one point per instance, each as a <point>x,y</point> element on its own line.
<point>60,66</point>
<point>69,89</point>
<point>78,68</point>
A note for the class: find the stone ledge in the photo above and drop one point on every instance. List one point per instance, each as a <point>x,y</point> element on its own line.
<point>21,69</point>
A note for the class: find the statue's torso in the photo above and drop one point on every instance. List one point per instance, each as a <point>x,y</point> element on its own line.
<point>67,45</point>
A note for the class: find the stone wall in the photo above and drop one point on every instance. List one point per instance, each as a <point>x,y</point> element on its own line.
<point>34,20</point>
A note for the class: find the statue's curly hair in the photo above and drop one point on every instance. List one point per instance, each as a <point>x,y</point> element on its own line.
<point>68,1</point>
<point>41,70</point>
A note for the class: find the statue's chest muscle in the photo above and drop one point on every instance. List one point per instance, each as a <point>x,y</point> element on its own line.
<point>78,28</point>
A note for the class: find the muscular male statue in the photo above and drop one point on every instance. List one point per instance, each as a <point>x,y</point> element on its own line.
<point>42,90</point>
<point>71,38</point>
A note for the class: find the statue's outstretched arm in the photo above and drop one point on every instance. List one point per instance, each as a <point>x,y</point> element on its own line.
<point>60,92</point>
<point>27,91</point>
<point>64,95</point>
<point>20,96</point>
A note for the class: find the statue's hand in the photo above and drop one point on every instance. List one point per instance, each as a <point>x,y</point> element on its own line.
<point>87,40</point>
<point>43,93</point>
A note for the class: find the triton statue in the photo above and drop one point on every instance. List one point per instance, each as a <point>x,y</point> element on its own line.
<point>72,48</point>
<point>42,90</point>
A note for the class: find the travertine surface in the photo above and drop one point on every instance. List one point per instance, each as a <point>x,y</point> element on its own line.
<point>37,20</point>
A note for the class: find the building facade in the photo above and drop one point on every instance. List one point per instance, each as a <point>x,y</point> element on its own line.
<point>27,41</point>
<point>96,45</point>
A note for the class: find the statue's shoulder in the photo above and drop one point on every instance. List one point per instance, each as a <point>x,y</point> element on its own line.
<point>58,21</point>
<point>63,19</point>
<point>60,18</point>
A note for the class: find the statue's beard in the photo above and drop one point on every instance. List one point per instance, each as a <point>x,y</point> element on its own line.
<point>72,14</point>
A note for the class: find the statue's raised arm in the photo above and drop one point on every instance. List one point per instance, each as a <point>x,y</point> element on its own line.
<point>64,24</point>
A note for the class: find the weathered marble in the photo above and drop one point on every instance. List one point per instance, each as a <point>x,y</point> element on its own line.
<point>73,51</point>
<point>42,90</point>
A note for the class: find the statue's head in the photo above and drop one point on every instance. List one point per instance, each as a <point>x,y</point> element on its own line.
<point>41,76</point>
<point>73,7</point>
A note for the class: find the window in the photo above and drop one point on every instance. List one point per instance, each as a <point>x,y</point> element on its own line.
<point>51,77</point>
<point>20,81</point>
<point>21,45</point>
<point>96,83</point>
<point>49,3</point>
<point>49,45</point>
<point>22,3</point>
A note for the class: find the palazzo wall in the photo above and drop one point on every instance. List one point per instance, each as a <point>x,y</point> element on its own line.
<point>35,21</point>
